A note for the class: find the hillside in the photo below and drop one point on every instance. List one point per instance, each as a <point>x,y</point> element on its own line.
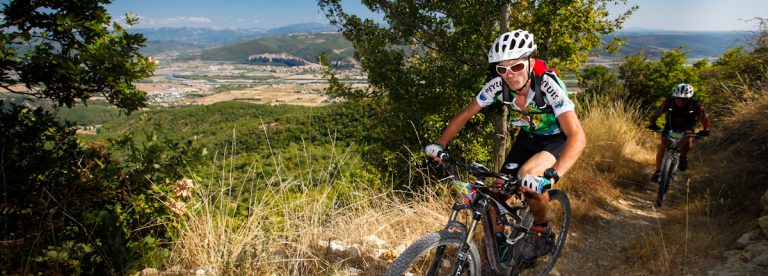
<point>700,44</point>
<point>303,45</point>
<point>208,37</point>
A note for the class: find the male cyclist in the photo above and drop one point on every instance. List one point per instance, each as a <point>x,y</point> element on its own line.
<point>682,113</point>
<point>551,139</point>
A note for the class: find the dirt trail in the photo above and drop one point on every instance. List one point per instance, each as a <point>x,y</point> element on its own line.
<point>597,246</point>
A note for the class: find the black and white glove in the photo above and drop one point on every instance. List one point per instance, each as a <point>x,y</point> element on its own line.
<point>537,184</point>
<point>432,150</point>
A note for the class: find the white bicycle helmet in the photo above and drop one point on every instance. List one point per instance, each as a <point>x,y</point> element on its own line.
<point>512,45</point>
<point>683,90</point>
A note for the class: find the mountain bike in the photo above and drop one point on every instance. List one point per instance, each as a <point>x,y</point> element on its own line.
<point>669,162</point>
<point>453,251</point>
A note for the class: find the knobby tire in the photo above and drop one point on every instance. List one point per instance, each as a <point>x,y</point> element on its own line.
<point>561,220</point>
<point>417,258</point>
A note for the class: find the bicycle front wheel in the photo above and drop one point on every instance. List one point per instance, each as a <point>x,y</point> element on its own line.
<point>559,217</point>
<point>668,164</point>
<point>436,254</point>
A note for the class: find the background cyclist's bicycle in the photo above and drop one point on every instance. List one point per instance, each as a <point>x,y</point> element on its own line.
<point>670,162</point>
<point>453,251</point>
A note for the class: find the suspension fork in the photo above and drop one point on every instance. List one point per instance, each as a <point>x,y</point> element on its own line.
<point>452,223</point>
<point>462,254</point>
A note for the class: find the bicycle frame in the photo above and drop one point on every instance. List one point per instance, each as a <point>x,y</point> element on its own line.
<point>481,206</point>
<point>669,162</point>
<point>673,149</point>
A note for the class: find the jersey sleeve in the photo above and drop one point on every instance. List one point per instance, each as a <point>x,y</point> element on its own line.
<point>490,92</point>
<point>556,95</point>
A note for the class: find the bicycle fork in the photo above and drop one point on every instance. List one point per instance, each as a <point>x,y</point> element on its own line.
<point>461,255</point>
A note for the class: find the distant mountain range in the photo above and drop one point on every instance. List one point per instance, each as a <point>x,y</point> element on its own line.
<point>306,46</point>
<point>220,36</point>
<point>238,44</point>
<point>190,39</point>
<point>698,44</point>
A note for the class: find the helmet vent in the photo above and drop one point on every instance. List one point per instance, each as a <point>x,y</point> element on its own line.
<point>517,34</point>
<point>505,38</point>
<point>522,43</point>
<point>503,48</point>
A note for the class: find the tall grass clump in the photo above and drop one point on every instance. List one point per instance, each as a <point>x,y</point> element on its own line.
<point>285,222</point>
<point>616,155</point>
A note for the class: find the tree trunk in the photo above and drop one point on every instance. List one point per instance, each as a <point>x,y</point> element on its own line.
<point>500,123</point>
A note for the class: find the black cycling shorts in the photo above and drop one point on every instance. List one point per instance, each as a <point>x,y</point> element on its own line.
<point>527,145</point>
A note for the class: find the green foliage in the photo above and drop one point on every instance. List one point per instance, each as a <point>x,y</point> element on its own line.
<point>75,209</point>
<point>260,131</point>
<point>566,30</point>
<point>90,115</point>
<point>650,82</point>
<point>738,73</point>
<point>430,60</point>
<point>65,51</point>
<point>597,80</point>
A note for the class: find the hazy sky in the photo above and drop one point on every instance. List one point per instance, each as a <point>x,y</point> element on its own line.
<point>691,15</point>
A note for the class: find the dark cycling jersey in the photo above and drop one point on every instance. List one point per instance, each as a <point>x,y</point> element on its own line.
<point>681,118</point>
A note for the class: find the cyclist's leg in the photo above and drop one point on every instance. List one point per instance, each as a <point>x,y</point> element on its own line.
<point>548,149</point>
<point>686,144</point>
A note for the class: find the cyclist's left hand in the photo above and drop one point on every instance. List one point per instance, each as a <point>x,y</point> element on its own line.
<point>432,150</point>
<point>703,133</point>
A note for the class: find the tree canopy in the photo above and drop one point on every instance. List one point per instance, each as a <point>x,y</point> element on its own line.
<point>67,51</point>
<point>430,58</point>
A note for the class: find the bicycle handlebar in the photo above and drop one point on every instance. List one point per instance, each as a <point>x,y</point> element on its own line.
<point>694,135</point>
<point>479,171</point>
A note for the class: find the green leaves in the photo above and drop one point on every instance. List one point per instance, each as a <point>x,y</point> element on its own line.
<point>649,82</point>
<point>64,51</point>
<point>430,58</point>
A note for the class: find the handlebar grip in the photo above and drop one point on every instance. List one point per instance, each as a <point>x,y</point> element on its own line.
<point>443,156</point>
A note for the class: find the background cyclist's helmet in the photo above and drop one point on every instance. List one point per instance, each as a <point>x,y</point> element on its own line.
<point>512,45</point>
<point>683,90</point>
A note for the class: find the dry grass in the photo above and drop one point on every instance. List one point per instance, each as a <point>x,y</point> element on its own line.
<point>616,157</point>
<point>293,227</point>
<point>721,201</point>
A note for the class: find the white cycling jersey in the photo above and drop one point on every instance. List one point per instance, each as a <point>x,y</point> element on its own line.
<point>555,96</point>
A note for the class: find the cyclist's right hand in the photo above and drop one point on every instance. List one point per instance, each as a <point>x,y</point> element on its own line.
<point>432,150</point>
<point>536,184</point>
<point>654,127</point>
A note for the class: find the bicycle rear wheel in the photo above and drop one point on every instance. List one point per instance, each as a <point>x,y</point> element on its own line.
<point>436,254</point>
<point>559,216</point>
<point>668,164</point>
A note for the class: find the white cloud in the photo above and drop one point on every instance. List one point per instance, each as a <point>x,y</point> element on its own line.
<point>178,20</point>
<point>199,19</point>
